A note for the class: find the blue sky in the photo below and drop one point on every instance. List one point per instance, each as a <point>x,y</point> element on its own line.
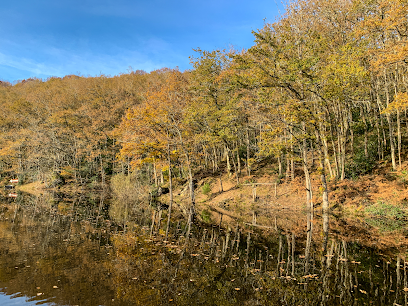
<point>43,38</point>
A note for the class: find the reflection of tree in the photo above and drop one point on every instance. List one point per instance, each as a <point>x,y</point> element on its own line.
<point>67,244</point>
<point>44,260</point>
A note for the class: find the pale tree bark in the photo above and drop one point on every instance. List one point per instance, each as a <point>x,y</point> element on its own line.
<point>247,154</point>
<point>170,189</point>
<point>389,121</point>
<point>226,154</point>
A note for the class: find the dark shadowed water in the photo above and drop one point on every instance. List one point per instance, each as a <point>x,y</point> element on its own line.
<point>71,253</point>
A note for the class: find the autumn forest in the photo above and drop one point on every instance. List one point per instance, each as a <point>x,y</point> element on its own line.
<point>322,92</point>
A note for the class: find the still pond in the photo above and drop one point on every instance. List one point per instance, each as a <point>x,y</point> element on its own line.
<point>73,253</point>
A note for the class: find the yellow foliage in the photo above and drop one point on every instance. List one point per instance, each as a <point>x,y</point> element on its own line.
<point>400,102</point>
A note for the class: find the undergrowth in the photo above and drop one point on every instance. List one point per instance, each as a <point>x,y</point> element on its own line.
<point>386,217</point>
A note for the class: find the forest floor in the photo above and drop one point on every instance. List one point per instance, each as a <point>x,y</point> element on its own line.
<point>371,209</point>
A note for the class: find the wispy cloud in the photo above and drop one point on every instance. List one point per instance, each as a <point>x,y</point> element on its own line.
<point>91,37</point>
<point>29,65</point>
<point>153,53</point>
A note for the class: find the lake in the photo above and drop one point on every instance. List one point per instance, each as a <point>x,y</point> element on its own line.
<point>69,251</point>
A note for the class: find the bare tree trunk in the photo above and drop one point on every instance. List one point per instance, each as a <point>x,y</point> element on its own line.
<point>156,181</point>
<point>325,191</point>
<point>380,150</point>
<point>170,190</point>
<point>399,138</point>
<point>247,154</point>
<point>292,162</point>
<point>390,125</point>
<point>280,165</point>
<point>161,177</point>
<point>398,120</point>
<point>235,169</point>
<point>309,193</point>
<point>326,152</point>
<point>238,162</point>
<point>336,162</point>
<point>205,157</point>
<point>226,153</point>
<point>215,159</point>
<point>362,115</point>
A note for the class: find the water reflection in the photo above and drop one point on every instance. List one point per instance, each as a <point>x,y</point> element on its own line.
<point>67,252</point>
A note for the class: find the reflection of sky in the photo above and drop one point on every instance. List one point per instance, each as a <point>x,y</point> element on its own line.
<point>54,38</point>
<point>8,300</point>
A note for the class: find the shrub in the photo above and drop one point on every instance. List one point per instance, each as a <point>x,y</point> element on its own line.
<point>361,164</point>
<point>206,188</point>
<point>206,215</point>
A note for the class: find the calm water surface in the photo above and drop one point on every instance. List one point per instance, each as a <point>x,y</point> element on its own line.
<point>71,253</point>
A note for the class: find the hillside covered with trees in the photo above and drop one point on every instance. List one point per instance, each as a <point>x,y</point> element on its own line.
<point>322,93</point>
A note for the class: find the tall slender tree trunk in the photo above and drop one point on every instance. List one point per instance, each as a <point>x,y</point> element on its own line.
<point>292,161</point>
<point>280,165</point>
<point>238,162</point>
<point>155,174</point>
<point>170,190</point>
<point>308,184</point>
<point>325,190</point>
<point>226,152</point>
<point>399,138</point>
<point>380,149</point>
<point>326,151</point>
<point>398,119</point>
<point>336,161</point>
<point>390,123</point>
<point>247,154</point>
<point>215,158</point>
